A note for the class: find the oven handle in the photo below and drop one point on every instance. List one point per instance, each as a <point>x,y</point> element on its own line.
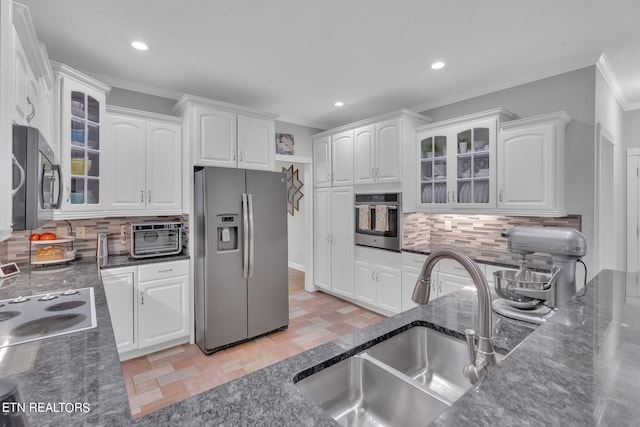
<point>373,206</point>
<point>57,169</point>
<point>21,169</point>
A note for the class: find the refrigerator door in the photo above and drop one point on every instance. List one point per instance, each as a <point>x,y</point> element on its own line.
<point>224,295</point>
<point>268,299</point>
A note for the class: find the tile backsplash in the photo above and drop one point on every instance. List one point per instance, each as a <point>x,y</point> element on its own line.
<point>477,235</point>
<point>16,248</point>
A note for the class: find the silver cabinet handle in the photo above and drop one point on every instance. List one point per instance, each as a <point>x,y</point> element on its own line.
<point>328,177</point>
<point>373,277</point>
<point>241,156</point>
<point>500,196</point>
<point>141,297</point>
<point>377,173</point>
<point>373,173</point>
<point>68,194</point>
<point>234,155</point>
<point>377,276</point>
<point>149,196</point>
<point>141,196</point>
<point>169,270</point>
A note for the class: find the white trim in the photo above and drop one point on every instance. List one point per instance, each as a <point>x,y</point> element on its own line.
<point>502,115</point>
<point>294,121</point>
<point>187,100</point>
<point>293,159</point>
<point>611,80</point>
<point>138,87</point>
<point>403,113</point>
<point>59,68</point>
<point>602,136</point>
<point>633,151</point>
<point>113,109</point>
<point>296,266</point>
<point>561,117</point>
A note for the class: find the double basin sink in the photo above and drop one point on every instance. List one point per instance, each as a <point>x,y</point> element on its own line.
<point>408,379</point>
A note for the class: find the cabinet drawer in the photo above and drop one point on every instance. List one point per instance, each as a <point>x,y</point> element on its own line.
<point>413,260</point>
<point>454,267</point>
<point>163,270</point>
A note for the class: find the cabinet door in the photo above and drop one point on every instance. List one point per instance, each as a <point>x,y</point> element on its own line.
<point>448,283</point>
<point>256,143</point>
<point>365,289</point>
<point>119,288</point>
<point>364,157</point>
<point>526,172</point>
<point>83,113</point>
<point>125,162</point>
<point>20,75</point>
<point>163,311</point>
<point>164,167</point>
<point>433,170</point>
<point>216,140</point>
<point>409,278</point>
<point>342,158</point>
<point>322,238</point>
<point>322,162</point>
<point>389,289</point>
<point>388,151</point>
<point>342,231</point>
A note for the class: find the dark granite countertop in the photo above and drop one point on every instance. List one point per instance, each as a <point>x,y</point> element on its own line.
<point>577,369</point>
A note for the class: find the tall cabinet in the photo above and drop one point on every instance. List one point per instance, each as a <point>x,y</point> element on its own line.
<point>81,101</point>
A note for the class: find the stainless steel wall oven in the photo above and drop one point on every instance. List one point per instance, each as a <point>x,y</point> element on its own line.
<point>379,220</point>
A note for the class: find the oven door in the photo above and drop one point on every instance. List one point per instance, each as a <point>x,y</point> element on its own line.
<point>372,230</point>
<point>150,243</point>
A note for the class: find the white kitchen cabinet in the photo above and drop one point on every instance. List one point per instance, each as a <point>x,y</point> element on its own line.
<point>6,114</point>
<point>162,310</point>
<point>82,114</point>
<point>333,240</point>
<point>322,162</point>
<point>143,155</point>
<point>342,158</point>
<point>21,76</point>
<point>377,150</point>
<point>148,306</point>
<point>409,278</point>
<point>457,162</point>
<point>378,280</point>
<point>531,168</point>
<point>119,287</point>
<point>227,135</point>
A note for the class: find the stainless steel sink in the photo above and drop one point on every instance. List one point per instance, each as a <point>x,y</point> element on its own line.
<point>429,357</point>
<point>359,392</point>
<point>408,379</point>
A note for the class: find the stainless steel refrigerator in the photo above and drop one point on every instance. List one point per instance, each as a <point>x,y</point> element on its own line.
<point>240,230</point>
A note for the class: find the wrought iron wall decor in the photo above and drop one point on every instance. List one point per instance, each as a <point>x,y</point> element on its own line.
<point>294,185</point>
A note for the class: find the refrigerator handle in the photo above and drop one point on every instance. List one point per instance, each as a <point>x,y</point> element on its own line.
<point>251,251</point>
<point>245,232</point>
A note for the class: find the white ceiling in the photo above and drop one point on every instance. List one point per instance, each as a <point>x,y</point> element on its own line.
<point>296,57</point>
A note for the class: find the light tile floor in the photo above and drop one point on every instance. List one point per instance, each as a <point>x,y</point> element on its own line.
<point>164,378</point>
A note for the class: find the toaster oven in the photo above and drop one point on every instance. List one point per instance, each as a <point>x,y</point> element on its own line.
<point>152,239</point>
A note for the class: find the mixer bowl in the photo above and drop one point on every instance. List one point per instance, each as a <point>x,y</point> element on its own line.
<point>506,282</point>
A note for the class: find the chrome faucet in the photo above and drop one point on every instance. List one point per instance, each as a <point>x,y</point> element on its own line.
<point>481,356</point>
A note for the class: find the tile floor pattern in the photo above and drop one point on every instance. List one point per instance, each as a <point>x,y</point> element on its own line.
<point>166,377</point>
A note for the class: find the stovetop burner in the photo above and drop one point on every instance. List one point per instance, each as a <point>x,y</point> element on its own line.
<point>25,319</point>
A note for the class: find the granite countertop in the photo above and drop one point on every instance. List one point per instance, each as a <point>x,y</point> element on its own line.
<point>577,369</point>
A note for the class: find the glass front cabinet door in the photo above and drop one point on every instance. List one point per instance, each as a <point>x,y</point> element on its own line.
<point>82,117</point>
<point>457,166</point>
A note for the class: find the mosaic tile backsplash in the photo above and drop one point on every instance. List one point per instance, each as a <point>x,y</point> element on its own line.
<point>477,235</point>
<point>16,249</point>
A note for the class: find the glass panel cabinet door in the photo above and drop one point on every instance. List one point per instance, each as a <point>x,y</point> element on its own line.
<point>85,149</point>
<point>472,175</point>
<point>433,170</point>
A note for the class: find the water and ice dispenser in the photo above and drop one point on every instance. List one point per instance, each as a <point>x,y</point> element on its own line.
<point>228,231</point>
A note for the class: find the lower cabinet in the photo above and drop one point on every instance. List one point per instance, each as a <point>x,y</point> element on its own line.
<point>378,280</point>
<point>149,306</point>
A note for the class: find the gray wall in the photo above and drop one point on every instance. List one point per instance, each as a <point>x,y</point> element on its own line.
<point>140,101</point>
<point>573,92</point>
<point>301,137</point>
<point>631,129</point>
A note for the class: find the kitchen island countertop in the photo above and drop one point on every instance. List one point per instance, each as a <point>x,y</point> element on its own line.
<point>577,369</point>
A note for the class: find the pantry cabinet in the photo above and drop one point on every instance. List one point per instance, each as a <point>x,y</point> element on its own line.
<point>143,158</point>
<point>333,240</point>
<point>457,162</point>
<point>227,135</point>
<point>149,306</point>
<point>531,169</point>
<point>81,121</point>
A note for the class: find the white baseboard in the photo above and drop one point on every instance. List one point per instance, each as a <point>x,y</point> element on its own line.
<point>296,266</point>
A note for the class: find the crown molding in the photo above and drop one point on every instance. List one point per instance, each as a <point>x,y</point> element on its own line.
<point>114,109</point>
<point>402,113</point>
<point>611,80</point>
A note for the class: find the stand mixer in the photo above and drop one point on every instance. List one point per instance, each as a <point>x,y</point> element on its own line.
<point>532,296</point>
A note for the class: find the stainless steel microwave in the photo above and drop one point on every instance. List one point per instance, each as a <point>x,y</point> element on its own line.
<point>37,180</point>
<point>152,239</point>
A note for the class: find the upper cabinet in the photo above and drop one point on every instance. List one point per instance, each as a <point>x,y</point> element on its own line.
<point>531,167</point>
<point>82,115</point>
<point>333,160</point>
<point>322,162</point>
<point>457,161</point>
<point>378,153</point>
<point>227,135</point>
<point>143,156</point>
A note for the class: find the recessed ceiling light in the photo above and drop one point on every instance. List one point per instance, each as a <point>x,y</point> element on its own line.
<point>339,104</point>
<point>437,65</point>
<point>139,45</point>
